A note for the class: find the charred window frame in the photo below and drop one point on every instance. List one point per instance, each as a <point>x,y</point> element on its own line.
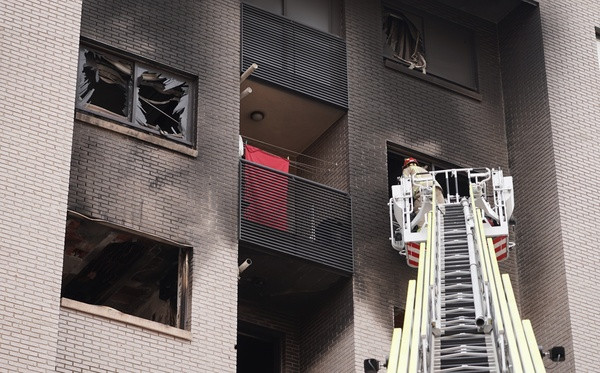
<point>438,50</point>
<point>136,93</point>
<point>132,272</point>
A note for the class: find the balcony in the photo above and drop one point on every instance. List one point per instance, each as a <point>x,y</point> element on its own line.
<point>288,214</point>
<point>295,56</point>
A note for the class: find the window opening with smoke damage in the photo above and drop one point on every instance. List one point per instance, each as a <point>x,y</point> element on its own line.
<point>109,266</point>
<point>434,46</point>
<point>136,94</point>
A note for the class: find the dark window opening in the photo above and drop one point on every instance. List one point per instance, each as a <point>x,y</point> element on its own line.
<point>162,102</point>
<point>258,350</point>
<point>398,317</point>
<point>136,275</point>
<point>433,45</point>
<point>104,82</point>
<point>395,164</point>
<point>404,40</point>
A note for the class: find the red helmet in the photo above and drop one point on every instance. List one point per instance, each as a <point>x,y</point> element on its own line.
<point>410,160</point>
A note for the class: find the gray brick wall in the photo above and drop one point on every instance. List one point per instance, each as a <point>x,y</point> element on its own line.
<point>327,334</point>
<point>158,191</point>
<point>540,76</point>
<point>39,54</point>
<point>328,157</point>
<point>320,340</point>
<point>386,105</point>
<point>92,344</point>
<point>532,160</point>
<point>573,92</point>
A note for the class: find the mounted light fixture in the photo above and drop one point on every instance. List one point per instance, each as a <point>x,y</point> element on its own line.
<point>257,116</point>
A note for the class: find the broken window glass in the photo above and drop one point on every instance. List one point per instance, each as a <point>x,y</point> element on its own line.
<point>104,82</point>
<point>107,266</point>
<point>162,102</point>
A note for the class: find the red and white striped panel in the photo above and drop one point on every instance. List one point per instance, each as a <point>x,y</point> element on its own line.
<point>412,254</point>
<point>501,247</point>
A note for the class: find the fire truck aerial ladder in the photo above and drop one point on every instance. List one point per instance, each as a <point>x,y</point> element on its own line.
<point>461,314</point>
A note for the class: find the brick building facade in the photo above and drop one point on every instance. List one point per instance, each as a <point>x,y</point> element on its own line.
<point>90,183</point>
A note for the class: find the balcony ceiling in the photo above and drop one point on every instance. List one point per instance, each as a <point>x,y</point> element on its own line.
<point>490,10</point>
<point>291,121</point>
<point>286,283</point>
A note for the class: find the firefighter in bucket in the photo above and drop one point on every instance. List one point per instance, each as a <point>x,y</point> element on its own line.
<point>411,168</point>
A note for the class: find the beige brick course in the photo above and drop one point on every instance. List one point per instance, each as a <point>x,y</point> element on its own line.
<point>37,60</point>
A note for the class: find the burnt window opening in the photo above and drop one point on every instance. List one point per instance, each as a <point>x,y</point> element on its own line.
<point>403,39</point>
<point>421,41</point>
<point>162,102</point>
<point>137,275</point>
<point>395,165</point>
<point>145,97</point>
<point>104,82</point>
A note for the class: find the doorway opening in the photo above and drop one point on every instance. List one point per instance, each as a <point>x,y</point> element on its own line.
<point>258,349</point>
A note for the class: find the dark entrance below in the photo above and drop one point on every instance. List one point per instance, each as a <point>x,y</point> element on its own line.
<point>258,350</point>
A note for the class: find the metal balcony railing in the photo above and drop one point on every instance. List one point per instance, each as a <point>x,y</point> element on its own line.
<point>295,216</point>
<point>294,56</point>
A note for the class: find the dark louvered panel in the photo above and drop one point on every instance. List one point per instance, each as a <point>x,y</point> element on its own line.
<point>294,56</point>
<point>295,216</point>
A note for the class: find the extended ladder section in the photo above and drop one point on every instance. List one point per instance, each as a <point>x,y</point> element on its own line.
<point>461,314</point>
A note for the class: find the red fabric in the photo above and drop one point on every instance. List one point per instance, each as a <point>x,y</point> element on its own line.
<point>266,192</point>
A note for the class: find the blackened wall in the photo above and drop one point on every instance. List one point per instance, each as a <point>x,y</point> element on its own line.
<point>327,333</point>
<point>387,105</point>
<point>169,194</point>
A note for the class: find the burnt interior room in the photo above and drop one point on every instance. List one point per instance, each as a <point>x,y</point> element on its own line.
<point>137,275</point>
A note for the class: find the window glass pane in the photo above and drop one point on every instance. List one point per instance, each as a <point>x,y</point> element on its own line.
<point>314,13</point>
<point>104,83</point>
<point>273,6</point>
<point>163,102</point>
<point>450,52</point>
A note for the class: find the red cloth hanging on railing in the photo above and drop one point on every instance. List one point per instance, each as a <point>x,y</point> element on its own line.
<point>266,192</point>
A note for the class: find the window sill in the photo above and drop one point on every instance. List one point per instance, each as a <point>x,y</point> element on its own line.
<point>113,314</point>
<point>433,79</point>
<point>86,118</point>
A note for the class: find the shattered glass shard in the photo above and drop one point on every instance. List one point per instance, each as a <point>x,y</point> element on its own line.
<point>162,102</point>
<point>104,83</point>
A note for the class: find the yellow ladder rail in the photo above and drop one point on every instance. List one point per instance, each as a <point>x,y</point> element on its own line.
<point>500,301</point>
<point>400,363</point>
<point>421,314</point>
<point>414,341</point>
<point>533,347</point>
<point>518,325</point>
